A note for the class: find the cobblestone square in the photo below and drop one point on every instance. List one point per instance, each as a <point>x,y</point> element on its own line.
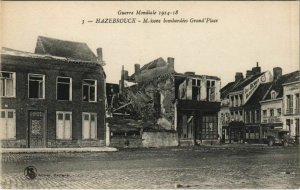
<point>189,167</point>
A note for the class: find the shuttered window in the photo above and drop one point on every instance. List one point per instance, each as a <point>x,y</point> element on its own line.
<point>63,125</point>
<point>89,125</point>
<point>8,124</point>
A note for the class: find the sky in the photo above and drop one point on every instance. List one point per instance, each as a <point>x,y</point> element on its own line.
<point>245,33</point>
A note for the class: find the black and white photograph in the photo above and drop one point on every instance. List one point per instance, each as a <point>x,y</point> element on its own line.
<point>149,95</point>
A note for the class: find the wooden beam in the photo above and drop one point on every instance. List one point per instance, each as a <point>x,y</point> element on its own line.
<point>122,106</point>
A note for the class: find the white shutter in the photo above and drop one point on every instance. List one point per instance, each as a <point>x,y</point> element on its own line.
<point>93,126</point>
<point>85,126</point>
<point>68,126</point>
<point>3,125</point>
<point>59,126</point>
<point>11,125</point>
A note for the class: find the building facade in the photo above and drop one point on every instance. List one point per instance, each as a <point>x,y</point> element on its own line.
<point>272,110</point>
<point>291,105</point>
<point>197,105</point>
<point>259,103</point>
<point>53,97</point>
<point>241,97</point>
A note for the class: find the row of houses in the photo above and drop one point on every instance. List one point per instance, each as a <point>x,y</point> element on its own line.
<point>260,102</point>
<point>58,97</point>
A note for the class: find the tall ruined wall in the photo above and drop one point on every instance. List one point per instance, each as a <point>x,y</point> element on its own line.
<point>159,85</point>
<point>167,97</point>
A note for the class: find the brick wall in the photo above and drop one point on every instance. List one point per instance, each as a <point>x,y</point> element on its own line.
<point>51,69</point>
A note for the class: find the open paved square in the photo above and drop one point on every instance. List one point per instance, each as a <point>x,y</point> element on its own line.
<point>180,167</point>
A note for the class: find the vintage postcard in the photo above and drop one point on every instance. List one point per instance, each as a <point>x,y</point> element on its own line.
<point>150,95</point>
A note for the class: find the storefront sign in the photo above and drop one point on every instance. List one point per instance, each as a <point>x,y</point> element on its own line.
<point>250,89</point>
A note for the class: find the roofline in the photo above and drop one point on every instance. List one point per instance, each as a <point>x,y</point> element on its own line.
<point>270,100</point>
<point>289,83</point>
<point>42,56</point>
<point>194,76</point>
<point>61,40</point>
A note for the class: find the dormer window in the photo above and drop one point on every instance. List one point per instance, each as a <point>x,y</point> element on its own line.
<point>273,94</point>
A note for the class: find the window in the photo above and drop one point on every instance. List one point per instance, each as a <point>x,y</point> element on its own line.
<point>36,86</point>
<point>212,83</point>
<point>196,89</point>
<point>273,94</point>
<point>232,116</point>
<point>297,104</point>
<point>279,112</point>
<point>89,93</point>
<point>64,88</point>
<point>210,90</point>
<point>289,104</point>
<point>247,117</point>
<point>8,124</point>
<point>264,113</point>
<point>209,127</point>
<point>7,84</point>
<point>236,101</point>
<point>63,125</point>
<point>288,125</point>
<point>236,115</point>
<point>257,116</point>
<point>240,116</point>
<point>240,100</point>
<point>297,129</point>
<point>252,116</point>
<point>89,125</point>
<point>232,101</point>
<point>271,112</point>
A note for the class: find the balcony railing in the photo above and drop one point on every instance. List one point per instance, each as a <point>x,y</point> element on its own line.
<point>271,119</point>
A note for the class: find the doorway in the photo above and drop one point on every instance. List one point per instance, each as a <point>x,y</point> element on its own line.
<point>36,129</point>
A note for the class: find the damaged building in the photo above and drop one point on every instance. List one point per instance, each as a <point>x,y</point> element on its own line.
<point>54,97</point>
<point>185,104</point>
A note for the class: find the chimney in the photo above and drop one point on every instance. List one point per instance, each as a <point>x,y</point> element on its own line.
<point>277,73</point>
<point>121,82</point>
<point>248,73</point>
<point>100,56</point>
<point>170,61</point>
<point>126,75</point>
<point>137,69</point>
<point>256,70</point>
<point>238,76</point>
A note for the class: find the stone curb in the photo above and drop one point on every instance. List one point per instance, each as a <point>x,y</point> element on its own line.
<point>57,150</point>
